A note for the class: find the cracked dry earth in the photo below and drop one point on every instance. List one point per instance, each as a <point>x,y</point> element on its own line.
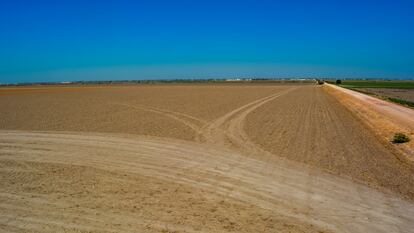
<point>197,158</point>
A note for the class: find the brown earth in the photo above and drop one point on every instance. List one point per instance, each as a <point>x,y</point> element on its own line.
<point>383,117</point>
<point>91,196</point>
<point>229,174</point>
<point>56,182</point>
<point>311,127</point>
<point>142,109</point>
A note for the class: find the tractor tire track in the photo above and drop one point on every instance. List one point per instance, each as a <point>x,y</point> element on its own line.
<point>337,205</point>
<point>188,120</point>
<point>228,129</point>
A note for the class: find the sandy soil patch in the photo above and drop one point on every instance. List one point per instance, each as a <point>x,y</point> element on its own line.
<point>101,183</point>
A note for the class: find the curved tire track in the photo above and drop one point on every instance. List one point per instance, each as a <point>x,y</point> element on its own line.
<point>229,127</point>
<point>189,121</point>
<point>337,204</point>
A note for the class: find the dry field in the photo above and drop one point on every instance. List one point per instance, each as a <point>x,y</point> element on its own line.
<point>195,158</point>
<point>382,117</point>
<point>156,110</point>
<point>404,94</point>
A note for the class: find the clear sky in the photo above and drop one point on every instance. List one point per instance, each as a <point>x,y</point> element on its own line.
<point>90,40</point>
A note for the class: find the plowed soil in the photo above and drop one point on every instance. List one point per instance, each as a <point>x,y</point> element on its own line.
<point>311,127</point>
<point>156,110</point>
<point>195,158</point>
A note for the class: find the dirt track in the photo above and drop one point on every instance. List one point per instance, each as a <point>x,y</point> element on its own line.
<point>384,118</point>
<point>66,176</point>
<point>223,181</point>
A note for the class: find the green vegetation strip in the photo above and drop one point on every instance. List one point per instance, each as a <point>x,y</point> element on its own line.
<point>402,102</point>
<point>378,84</point>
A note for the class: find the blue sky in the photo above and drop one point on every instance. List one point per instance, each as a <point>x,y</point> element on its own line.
<point>90,40</point>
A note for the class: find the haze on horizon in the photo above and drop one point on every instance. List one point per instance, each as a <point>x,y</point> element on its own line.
<point>110,40</point>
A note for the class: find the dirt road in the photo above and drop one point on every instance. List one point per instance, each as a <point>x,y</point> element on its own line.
<point>402,114</point>
<point>385,118</point>
<point>224,179</point>
<point>310,126</point>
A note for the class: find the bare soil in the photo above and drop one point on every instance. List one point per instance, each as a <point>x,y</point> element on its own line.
<point>310,126</point>
<point>383,117</point>
<point>195,158</point>
<point>143,109</point>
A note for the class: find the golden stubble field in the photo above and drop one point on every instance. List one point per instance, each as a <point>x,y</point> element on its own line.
<point>195,158</point>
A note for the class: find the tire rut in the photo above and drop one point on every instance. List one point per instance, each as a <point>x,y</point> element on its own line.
<point>335,205</point>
